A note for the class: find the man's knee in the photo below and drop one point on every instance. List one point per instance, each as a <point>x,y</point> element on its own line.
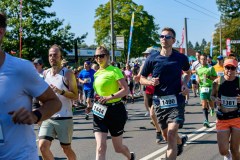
<point>44,145</point>
<point>66,148</point>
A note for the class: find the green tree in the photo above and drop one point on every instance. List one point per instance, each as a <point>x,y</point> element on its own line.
<point>197,46</point>
<point>40,29</point>
<point>230,25</point>
<point>203,44</point>
<point>190,45</point>
<point>145,30</point>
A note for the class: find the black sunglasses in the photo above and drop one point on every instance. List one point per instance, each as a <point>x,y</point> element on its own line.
<point>99,56</point>
<point>230,68</point>
<point>166,36</point>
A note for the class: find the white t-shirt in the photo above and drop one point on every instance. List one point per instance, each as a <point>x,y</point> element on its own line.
<point>19,82</point>
<point>195,65</point>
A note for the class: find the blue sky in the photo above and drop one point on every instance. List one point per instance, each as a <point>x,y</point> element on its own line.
<point>168,13</point>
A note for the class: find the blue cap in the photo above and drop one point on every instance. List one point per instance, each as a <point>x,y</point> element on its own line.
<point>220,57</point>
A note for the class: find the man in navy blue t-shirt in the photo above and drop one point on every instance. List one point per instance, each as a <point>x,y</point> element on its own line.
<point>86,78</point>
<point>171,73</point>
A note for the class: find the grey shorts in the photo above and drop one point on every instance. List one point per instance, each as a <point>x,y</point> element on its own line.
<point>63,129</point>
<point>169,115</point>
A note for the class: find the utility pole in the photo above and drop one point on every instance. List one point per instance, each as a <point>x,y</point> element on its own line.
<point>186,37</point>
<point>220,38</point>
<point>112,31</point>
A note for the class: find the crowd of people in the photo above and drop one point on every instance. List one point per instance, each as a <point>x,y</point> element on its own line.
<point>46,97</point>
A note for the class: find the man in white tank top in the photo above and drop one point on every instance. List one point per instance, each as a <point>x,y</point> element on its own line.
<point>63,83</point>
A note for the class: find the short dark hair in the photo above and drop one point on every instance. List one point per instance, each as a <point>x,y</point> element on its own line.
<point>3,20</point>
<point>170,30</point>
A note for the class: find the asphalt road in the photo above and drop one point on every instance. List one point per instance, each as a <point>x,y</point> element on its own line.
<point>140,136</point>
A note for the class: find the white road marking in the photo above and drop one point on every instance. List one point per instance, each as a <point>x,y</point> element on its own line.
<point>196,135</point>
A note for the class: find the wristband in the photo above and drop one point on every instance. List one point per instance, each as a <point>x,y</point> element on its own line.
<point>38,114</point>
<point>112,95</point>
<point>62,93</point>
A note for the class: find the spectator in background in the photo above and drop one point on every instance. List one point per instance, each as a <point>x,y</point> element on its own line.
<point>219,66</point>
<point>95,67</point>
<point>38,63</point>
<point>86,78</point>
<point>209,61</point>
<point>64,63</point>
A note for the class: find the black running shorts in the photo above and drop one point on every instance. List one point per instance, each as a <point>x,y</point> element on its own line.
<point>114,120</point>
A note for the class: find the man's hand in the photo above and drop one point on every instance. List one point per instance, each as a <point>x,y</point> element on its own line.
<point>55,89</point>
<point>155,81</point>
<point>23,116</point>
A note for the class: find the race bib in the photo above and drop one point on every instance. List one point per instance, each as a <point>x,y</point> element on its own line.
<point>88,80</point>
<point>1,134</point>
<point>99,110</point>
<point>229,102</point>
<point>129,82</point>
<point>205,90</point>
<point>168,101</point>
<point>220,74</point>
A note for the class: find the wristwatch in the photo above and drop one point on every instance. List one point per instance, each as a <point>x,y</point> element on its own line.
<point>112,95</point>
<point>62,93</point>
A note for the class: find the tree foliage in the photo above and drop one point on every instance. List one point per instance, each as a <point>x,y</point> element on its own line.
<point>40,29</point>
<point>230,24</point>
<point>190,45</point>
<point>144,33</point>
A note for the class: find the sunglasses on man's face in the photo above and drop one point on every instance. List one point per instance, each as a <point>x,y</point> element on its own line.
<point>166,36</point>
<point>230,68</point>
<point>99,56</point>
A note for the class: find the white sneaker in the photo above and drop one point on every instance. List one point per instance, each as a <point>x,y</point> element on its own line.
<point>229,156</point>
<point>146,114</point>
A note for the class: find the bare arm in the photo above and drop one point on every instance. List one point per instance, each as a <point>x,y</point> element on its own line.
<point>215,89</point>
<point>50,105</point>
<point>72,92</point>
<point>121,93</point>
<point>186,77</point>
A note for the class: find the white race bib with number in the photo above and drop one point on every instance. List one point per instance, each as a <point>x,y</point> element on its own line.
<point>1,135</point>
<point>99,110</point>
<point>168,101</point>
<point>88,80</point>
<point>220,74</point>
<point>205,90</point>
<point>229,102</point>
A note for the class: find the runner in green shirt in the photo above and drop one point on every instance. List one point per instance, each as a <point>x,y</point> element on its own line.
<point>206,75</point>
<point>109,113</point>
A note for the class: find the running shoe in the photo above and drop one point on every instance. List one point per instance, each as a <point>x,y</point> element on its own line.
<point>180,146</point>
<point>152,123</point>
<point>228,157</point>
<point>87,117</point>
<point>133,157</point>
<point>206,124</point>
<point>146,114</point>
<point>132,101</point>
<point>159,137</point>
<point>212,112</point>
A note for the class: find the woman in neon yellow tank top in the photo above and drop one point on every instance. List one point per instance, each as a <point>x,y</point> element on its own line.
<point>109,113</point>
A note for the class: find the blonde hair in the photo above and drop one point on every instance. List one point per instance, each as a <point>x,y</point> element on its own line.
<point>103,49</point>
